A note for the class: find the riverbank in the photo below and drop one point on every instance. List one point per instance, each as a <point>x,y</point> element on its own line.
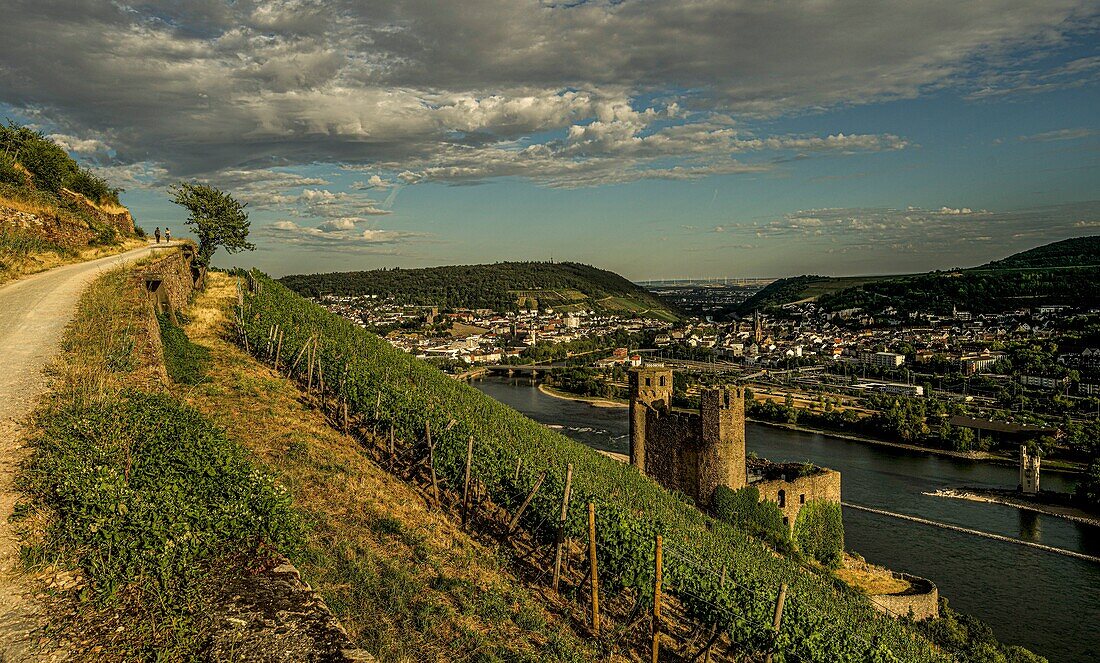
<point>591,400</point>
<point>976,456</point>
<point>1004,497</point>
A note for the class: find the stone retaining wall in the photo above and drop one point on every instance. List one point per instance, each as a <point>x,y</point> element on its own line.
<point>47,227</point>
<point>921,601</point>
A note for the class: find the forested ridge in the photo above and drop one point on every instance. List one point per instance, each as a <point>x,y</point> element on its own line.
<point>1076,251</point>
<point>503,286</point>
<point>1063,272</point>
<point>980,291</point>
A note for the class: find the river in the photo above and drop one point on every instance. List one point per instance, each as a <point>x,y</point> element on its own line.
<point>1044,601</point>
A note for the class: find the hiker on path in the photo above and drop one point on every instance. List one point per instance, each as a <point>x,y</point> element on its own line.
<point>167,234</point>
<point>156,233</point>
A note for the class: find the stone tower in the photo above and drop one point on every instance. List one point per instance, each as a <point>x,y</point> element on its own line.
<point>1029,472</point>
<point>650,387</point>
<point>722,453</point>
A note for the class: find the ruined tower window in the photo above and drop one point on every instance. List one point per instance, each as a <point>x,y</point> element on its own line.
<point>782,499</point>
<point>649,382</point>
<point>663,381</point>
<point>802,498</point>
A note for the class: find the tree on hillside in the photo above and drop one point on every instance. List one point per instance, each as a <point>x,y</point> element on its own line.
<point>216,217</point>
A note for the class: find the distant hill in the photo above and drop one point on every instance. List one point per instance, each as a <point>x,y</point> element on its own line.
<point>1073,252</point>
<point>798,288</point>
<point>504,286</point>
<point>1065,272</point>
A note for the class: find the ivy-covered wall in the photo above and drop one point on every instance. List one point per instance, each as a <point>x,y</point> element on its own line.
<point>819,532</point>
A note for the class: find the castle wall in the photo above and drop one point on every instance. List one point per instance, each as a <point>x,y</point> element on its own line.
<point>923,599</point>
<point>823,485</point>
<point>672,449</point>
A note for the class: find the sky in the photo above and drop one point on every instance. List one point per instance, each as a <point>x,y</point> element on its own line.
<point>658,139</point>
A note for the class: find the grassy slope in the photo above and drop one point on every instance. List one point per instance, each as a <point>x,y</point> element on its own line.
<point>142,501</point>
<point>501,286</point>
<point>405,581</point>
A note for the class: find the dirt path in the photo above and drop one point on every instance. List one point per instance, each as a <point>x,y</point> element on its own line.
<point>34,312</point>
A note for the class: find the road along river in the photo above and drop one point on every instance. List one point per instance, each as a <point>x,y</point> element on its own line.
<point>1033,597</point>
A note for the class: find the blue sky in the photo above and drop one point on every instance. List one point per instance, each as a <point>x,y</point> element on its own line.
<point>691,139</point>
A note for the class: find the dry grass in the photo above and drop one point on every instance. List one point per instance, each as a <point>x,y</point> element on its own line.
<point>868,578</point>
<point>107,207</point>
<point>404,579</point>
<point>110,344</point>
<point>42,261</point>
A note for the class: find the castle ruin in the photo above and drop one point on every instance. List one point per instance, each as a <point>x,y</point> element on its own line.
<point>694,453</point>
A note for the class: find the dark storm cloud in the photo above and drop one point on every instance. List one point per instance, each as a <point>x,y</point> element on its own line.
<point>454,91</point>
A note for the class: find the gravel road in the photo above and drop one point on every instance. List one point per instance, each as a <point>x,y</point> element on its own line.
<point>34,312</point>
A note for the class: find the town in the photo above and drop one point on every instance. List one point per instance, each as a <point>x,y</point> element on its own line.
<point>962,381</point>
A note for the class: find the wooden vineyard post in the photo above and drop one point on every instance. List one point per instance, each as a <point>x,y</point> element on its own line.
<point>657,563</point>
<point>777,620</point>
<point>278,350</point>
<point>392,449</point>
<point>377,407</point>
<point>714,629</point>
<point>592,569</point>
<point>526,502</point>
<point>561,525</point>
<point>519,464</point>
<point>466,481</point>
<point>309,370</point>
<point>344,403</point>
<point>431,460</point>
<point>290,371</point>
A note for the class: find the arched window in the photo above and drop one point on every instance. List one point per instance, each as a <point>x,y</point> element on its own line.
<point>782,497</point>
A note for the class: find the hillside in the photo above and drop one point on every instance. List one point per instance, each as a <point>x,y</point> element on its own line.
<point>504,286</point>
<point>1073,252</point>
<point>797,288</point>
<point>382,388</point>
<point>53,210</point>
<point>1064,272</point>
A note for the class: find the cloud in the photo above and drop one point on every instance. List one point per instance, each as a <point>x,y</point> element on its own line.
<point>559,94</point>
<point>324,203</point>
<point>1059,134</point>
<point>338,235</point>
<point>927,231</point>
<point>82,146</point>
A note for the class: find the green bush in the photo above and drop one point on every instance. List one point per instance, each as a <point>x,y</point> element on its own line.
<point>185,361</point>
<point>819,532</point>
<point>8,172</point>
<point>50,166</point>
<point>143,488</point>
<point>743,507</point>
<point>91,186</point>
